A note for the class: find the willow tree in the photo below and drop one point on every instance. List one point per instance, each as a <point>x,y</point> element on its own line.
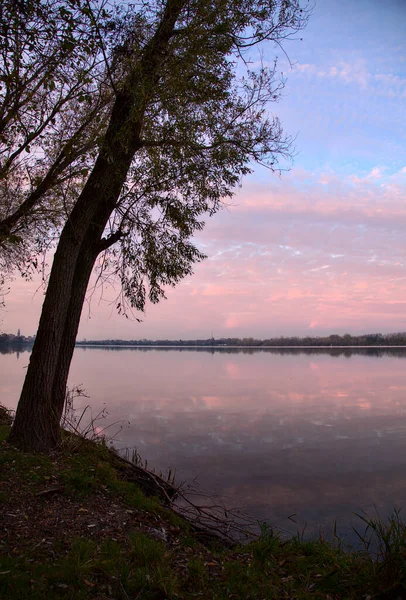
<point>190,117</point>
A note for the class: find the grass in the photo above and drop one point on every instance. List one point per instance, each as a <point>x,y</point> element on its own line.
<point>89,569</point>
<point>71,547</point>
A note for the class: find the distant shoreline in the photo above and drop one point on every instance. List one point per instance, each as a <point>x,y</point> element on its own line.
<point>389,341</point>
<point>220,347</point>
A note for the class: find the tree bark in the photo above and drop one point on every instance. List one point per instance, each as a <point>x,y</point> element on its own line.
<point>37,422</point>
<point>36,425</point>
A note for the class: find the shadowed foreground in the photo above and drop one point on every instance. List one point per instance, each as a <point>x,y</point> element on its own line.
<point>73,526</point>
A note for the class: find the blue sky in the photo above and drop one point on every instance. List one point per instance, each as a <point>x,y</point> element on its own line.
<point>347,91</point>
<point>322,247</point>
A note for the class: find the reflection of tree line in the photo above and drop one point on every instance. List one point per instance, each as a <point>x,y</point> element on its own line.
<point>335,352</point>
<point>10,349</point>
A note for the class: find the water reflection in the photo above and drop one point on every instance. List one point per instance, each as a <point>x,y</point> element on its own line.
<point>4,349</point>
<point>395,351</point>
<point>319,433</point>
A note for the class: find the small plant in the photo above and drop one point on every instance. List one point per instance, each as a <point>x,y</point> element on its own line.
<point>133,456</point>
<point>147,551</point>
<point>266,545</point>
<point>384,541</point>
<point>83,424</point>
<point>5,416</point>
<point>196,571</point>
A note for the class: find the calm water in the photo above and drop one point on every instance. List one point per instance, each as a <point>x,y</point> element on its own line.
<point>317,433</point>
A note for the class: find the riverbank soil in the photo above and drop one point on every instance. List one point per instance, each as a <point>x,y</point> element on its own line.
<point>73,527</point>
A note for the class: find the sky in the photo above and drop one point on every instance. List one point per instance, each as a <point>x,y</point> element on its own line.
<point>320,248</point>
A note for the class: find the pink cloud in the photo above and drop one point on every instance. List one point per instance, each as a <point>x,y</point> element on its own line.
<point>311,251</point>
<point>220,290</point>
<point>232,321</point>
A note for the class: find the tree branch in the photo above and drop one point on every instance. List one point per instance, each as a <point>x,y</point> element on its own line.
<point>107,242</point>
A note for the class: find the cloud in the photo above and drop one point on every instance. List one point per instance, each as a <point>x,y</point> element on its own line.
<point>376,173</point>
<point>219,290</point>
<point>319,268</point>
<point>356,72</point>
<point>351,73</point>
<point>315,250</point>
<point>346,72</point>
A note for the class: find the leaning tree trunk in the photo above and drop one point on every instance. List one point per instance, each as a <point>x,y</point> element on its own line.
<point>37,423</point>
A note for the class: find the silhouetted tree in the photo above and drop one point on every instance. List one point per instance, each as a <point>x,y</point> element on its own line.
<point>184,127</point>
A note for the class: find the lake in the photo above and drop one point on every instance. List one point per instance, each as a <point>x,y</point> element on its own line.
<point>320,434</point>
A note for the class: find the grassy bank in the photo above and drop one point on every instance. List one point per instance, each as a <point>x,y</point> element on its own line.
<point>73,526</point>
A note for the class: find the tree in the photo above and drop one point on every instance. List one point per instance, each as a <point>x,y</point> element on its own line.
<point>185,126</point>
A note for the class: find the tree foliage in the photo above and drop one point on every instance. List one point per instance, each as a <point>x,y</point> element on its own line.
<point>205,123</point>
<point>53,108</point>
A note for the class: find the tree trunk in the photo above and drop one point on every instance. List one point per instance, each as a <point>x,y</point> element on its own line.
<point>37,422</point>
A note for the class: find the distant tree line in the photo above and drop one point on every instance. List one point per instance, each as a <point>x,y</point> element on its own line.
<point>9,340</point>
<point>334,340</point>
